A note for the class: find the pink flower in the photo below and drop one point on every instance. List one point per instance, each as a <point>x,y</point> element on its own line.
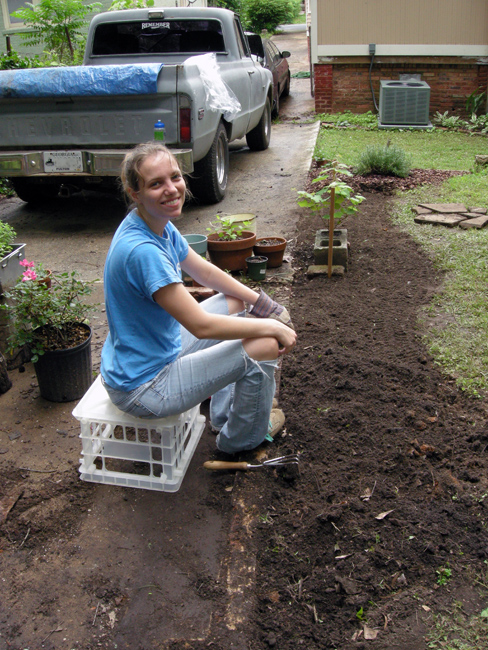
<point>29,275</point>
<point>26,264</point>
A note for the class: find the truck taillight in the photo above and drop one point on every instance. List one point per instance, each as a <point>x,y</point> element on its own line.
<point>185,125</point>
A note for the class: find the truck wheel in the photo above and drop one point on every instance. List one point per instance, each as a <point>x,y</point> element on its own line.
<point>209,179</point>
<point>258,139</point>
<point>34,191</point>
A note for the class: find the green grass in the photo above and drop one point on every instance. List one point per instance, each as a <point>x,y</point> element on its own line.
<point>431,149</point>
<point>458,631</point>
<point>455,325</point>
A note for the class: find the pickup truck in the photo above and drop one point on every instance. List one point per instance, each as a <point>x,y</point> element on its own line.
<point>67,129</point>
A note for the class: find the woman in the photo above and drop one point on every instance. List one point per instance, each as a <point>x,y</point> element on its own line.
<point>165,352</point>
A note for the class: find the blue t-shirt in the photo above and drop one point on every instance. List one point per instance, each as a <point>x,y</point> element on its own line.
<point>143,337</point>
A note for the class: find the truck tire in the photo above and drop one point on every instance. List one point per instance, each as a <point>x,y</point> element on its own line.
<point>258,139</point>
<point>35,191</point>
<point>209,180</point>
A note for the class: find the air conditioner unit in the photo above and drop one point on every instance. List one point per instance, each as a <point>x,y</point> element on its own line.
<point>404,103</point>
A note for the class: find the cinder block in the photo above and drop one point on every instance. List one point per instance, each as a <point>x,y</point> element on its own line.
<point>339,247</point>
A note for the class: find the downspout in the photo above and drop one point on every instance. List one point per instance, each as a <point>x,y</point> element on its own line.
<point>372,52</point>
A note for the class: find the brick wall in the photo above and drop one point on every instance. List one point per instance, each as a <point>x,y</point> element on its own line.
<point>346,86</point>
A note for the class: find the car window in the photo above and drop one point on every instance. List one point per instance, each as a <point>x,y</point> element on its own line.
<point>241,41</point>
<point>159,37</point>
<point>273,50</point>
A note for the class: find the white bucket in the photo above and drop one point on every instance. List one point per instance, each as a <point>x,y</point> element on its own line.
<point>241,218</point>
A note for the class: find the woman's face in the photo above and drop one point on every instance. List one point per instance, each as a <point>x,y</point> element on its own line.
<point>161,188</point>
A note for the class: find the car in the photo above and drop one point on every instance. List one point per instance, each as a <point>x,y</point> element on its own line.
<point>270,57</point>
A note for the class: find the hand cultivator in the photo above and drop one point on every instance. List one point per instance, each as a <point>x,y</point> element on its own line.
<point>291,459</point>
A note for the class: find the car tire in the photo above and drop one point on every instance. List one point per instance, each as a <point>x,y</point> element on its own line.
<point>35,191</point>
<point>286,90</point>
<point>276,106</point>
<point>211,174</point>
<point>258,139</point>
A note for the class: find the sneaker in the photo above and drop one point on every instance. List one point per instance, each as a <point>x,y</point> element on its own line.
<point>276,423</point>
<point>275,403</point>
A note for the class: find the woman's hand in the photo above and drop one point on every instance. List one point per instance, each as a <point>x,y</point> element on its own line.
<point>285,336</point>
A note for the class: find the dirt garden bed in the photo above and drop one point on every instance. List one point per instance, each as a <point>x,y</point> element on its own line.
<point>384,524</point>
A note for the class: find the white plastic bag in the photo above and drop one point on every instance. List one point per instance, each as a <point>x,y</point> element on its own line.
<point>218,94</point>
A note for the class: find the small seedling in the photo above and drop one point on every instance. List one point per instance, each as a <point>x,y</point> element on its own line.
<point>443,575</point>
<point>227,229</point>
<point>360,614</point>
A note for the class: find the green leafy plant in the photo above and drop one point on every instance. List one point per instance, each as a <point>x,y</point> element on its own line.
<point>360,614</point>
<point>227,229</point>
<point>345,201</point>
<point>476,103</point>
<point>268,14</point>
<point>388,160</point>
<point>33,304</point>
<point>450,122</point>
<point>7,237</point>
<point>57,23</point>
<point>13,61</point>
<point>130,4</point>
<point>478,124</point>
<point>444,574</point>
<point>366,120</point>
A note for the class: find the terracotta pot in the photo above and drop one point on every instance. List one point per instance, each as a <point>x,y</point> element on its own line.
<point>231,255</point>
<point>271,247</point>
<point>46,279</point>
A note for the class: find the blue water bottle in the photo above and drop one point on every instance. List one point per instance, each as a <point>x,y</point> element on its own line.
<point>159,131</point>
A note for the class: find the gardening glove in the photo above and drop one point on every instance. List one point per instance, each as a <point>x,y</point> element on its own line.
<point>266,307</point>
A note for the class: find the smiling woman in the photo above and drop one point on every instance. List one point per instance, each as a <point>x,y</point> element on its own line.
<point>173,352</point>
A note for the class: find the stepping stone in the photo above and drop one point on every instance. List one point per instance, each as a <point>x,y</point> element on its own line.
<point>479,222</point>
<point>478,210</point>
<point>447,208</point>
<point>449,220</point>
<point>472,215</point>
<point>418,210</point>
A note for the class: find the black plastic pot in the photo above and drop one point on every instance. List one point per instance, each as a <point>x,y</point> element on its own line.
<point>65,375</point>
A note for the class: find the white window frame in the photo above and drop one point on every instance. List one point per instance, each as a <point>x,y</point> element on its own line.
<point>8,25</point>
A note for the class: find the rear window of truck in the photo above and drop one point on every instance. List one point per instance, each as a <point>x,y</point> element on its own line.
<point>159,37</point>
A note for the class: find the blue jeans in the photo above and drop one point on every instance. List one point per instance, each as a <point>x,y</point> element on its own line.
<point>241,388</point>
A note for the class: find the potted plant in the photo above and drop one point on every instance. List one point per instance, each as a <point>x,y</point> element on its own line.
<point>338,197</point>
<point>271,247</point>
<point>50,323</point>
<point>229,243</point>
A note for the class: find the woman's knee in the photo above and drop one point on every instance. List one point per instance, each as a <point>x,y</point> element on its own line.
<point>235,305</point>
<point>264,349</point>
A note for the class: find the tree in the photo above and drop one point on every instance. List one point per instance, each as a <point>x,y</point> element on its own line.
<point>57,23</point>
<point>130,4</point>
<point>268,14</point>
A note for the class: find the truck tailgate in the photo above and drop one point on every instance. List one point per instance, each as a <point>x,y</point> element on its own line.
<point>110,112</point>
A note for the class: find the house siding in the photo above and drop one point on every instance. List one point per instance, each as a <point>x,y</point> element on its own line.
<point>455,22</point>
<point>443,41</point>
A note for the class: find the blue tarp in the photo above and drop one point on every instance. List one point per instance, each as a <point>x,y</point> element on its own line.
<point>140,79</point>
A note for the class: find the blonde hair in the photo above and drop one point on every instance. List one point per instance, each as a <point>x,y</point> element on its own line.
<point>130,175</point>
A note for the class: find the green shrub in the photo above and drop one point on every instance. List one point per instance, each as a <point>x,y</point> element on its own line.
<point>14,60</point>
<point>389,160</point>
<point>57,24</point>
<point>476,103</point>
<point>268,14</point>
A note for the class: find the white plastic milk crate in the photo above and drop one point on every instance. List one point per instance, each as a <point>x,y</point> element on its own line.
<point>119,449</point>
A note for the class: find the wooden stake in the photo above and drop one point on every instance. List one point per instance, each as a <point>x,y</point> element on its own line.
<point>331,230</point>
